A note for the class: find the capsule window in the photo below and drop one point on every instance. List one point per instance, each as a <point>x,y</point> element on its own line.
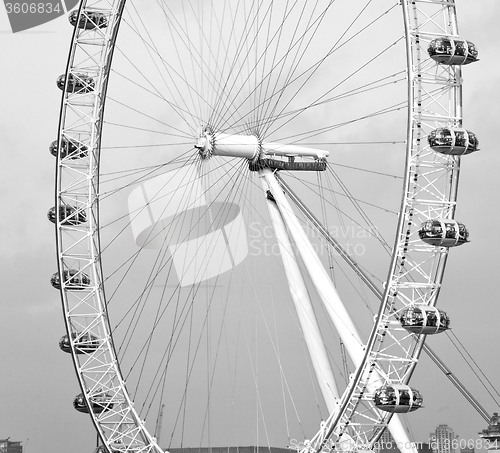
<point>450,231</point>
<point>461,48</point>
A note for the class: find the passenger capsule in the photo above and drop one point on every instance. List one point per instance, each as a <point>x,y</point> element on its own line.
<point>425,320</point>
<point>397,398</point>
<point>68,215</point>
<point>73,280</point>
<point>454,141</point>
<point>69,148</point>
<point>77,83</point>
<point>443,233</point>
<point>83,343</point>
<point>89,20</point>
<point>99,403</point>
<point>449,51</point>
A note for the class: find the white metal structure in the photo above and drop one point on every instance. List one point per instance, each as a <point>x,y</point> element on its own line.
<point>297,81</point>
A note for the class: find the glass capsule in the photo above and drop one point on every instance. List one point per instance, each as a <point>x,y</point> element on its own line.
<point>397,398</point>
<point>453,141</point>
<point>69,149</point>
<point>89,20</point>
<point>99,403</point>
<point>73,279</point>
<point>68,215</point>
<point>449,51</point>
<point>83,343</point>
<point>424,319</point>
<point>77,83</point>
<point>443,233</point>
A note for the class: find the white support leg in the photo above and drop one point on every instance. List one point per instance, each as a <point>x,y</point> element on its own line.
<point>304,309</point>
<point>320,278</point>
<point>329,296</point>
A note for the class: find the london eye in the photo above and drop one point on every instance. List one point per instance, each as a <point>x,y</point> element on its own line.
<point>255,203</point>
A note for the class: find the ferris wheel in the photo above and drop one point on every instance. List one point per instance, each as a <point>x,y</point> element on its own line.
<point>252,235</point>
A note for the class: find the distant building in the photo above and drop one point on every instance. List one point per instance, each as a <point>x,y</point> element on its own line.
<point>7,446</point>
<point>492,434</point>
<point>424,447</point>
<point>443,440</point>
<point>386,443</point>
